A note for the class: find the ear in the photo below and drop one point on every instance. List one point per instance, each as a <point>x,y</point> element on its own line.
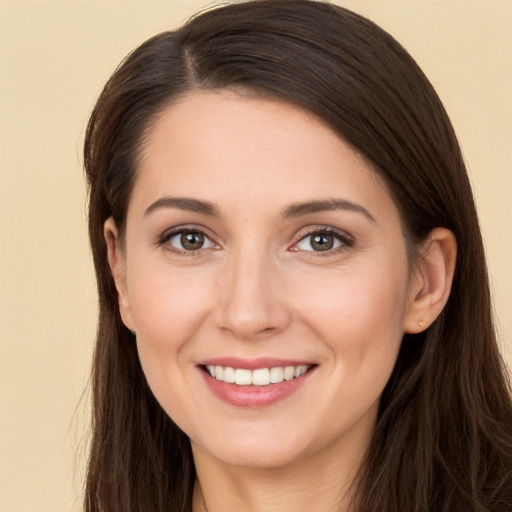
<point>432,280</point>
<point>117,262</point>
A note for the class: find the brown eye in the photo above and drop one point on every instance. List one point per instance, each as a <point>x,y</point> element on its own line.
<point>322,242</point>
<point>192,241</point>
<point>188,241</point>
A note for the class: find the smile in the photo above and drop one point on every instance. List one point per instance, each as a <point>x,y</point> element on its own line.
<point>258,377</point>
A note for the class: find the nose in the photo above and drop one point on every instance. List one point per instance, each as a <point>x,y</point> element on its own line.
<point>251,303</point>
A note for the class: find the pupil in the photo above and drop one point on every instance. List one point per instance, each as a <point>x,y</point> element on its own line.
<point>322,242</point>
<point>192,241</point>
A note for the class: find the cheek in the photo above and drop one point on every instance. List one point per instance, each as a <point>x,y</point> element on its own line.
<point>360,324</point>
<point>355,301</point>
<point>359,317</point>
<point>165,302</point>
<point>168,308</point>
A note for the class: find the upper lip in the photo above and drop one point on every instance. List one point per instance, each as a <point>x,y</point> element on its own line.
<point>253,364</point>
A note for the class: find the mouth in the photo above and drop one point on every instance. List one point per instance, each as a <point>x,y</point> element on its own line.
<point>256,383</point>
<point>259,377</point>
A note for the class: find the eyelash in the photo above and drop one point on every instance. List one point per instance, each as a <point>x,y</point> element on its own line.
<point>168,235</point>
<point>346,241</point>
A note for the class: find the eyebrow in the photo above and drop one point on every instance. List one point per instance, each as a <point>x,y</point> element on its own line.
<point>295,210</point>
<point>184,203</point>
<point>299,209</point>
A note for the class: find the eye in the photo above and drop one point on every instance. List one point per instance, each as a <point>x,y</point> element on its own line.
<point>322,241</point>
<point>189,240</point>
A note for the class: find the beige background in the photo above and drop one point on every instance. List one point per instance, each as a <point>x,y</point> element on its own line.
<point>54,58</point>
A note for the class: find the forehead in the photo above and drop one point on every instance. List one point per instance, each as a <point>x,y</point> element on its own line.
<point>220,145</point>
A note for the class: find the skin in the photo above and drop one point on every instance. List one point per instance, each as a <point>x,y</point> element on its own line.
<point>258,288</point>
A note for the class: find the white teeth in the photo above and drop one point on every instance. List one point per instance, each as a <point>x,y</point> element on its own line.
<point>229,375</point>
<point>289,373</point>
<point>276,375</point>
<point>259,377</point>
<point>300,370</point>
<point>243,377</point>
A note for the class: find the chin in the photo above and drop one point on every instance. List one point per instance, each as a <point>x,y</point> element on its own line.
<point>269,448</point>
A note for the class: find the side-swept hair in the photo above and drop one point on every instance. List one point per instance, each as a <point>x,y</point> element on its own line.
<point>443,439</point>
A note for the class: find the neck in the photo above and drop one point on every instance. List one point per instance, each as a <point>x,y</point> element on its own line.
<point>320,483</point>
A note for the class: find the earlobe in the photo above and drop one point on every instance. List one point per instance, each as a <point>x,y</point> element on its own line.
<point>117,265</point>
<point>432,280</point>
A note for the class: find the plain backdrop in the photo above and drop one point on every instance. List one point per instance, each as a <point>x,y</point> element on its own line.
<point>54,58</point>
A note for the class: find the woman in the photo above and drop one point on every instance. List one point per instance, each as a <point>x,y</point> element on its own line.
<point>294,306</point>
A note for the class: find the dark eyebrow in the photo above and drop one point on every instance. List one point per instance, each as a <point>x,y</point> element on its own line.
<point>184,203</point>
<point>298,209</point>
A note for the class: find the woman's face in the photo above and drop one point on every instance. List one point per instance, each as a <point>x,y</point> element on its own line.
<point>260,246</point>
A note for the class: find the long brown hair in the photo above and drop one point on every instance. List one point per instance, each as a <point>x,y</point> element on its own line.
<point>443,439</point>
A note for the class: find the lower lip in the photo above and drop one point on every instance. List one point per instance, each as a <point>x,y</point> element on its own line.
<point>254,396</point>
